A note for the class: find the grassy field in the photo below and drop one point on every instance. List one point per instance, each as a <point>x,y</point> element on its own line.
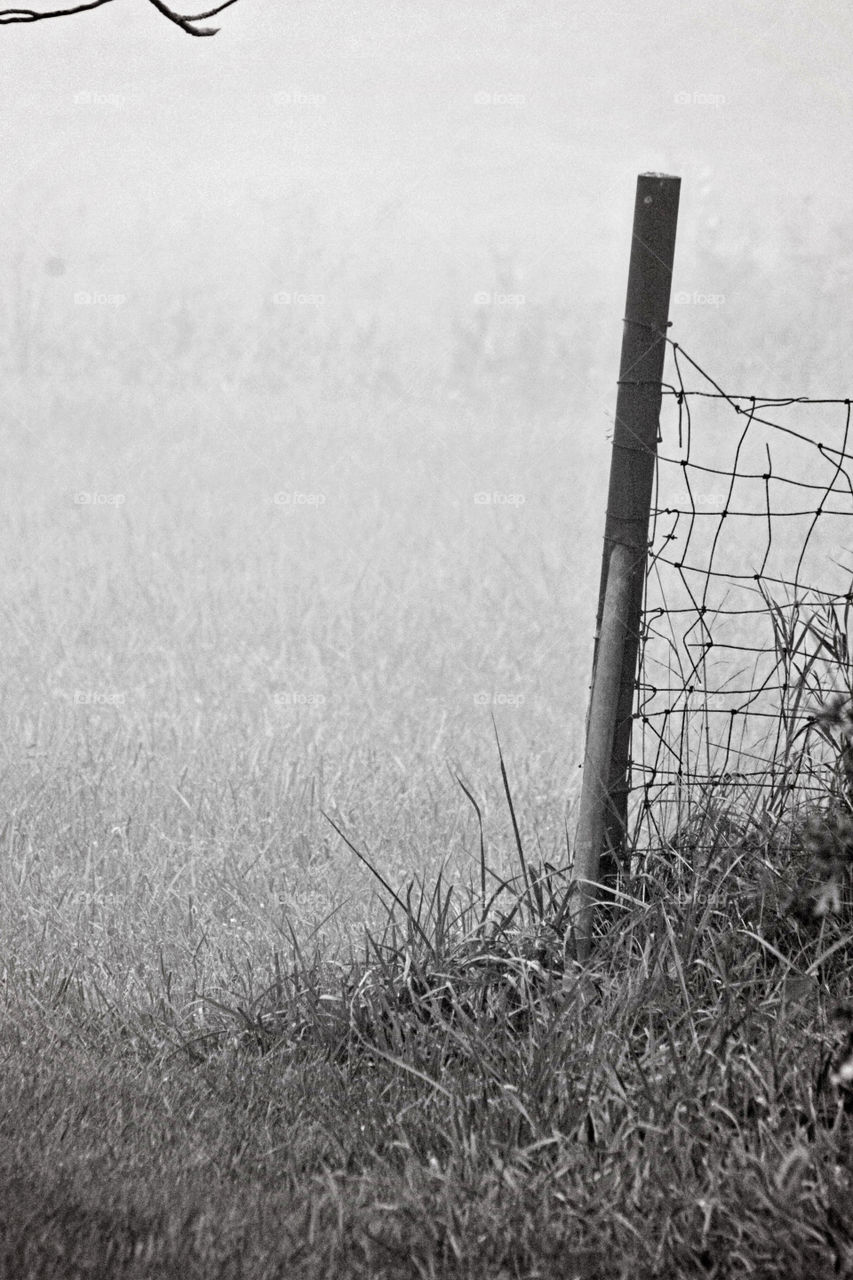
<point>457,1097</point>
<point>256,625</point>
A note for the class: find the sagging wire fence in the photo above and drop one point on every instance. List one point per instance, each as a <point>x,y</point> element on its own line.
<point>745,627</point>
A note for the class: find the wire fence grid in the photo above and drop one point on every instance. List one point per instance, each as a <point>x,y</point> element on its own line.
<point>747,600</point>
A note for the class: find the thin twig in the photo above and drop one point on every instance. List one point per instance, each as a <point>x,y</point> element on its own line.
<point>183,20</point>
<point>32,15</point>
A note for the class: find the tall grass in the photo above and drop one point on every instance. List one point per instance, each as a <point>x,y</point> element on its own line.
<point>459,1096</point>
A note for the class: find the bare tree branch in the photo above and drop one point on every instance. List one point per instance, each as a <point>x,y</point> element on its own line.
<point>185,21</point>
<point>32,15</point>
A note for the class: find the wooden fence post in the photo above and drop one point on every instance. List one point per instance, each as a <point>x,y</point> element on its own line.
<point>602,822</point>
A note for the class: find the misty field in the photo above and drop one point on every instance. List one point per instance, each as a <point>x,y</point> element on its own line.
<point>266,602</point>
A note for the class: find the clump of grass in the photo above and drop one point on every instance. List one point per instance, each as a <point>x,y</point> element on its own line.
<point>475,983</point>
<point>450,970</point>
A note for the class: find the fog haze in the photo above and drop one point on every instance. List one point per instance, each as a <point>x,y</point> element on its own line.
<point>283,304</point>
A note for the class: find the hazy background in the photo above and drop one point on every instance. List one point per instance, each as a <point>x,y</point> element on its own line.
<point>278,307</point>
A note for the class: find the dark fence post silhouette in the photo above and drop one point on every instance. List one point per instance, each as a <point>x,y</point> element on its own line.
<point>602,823</point>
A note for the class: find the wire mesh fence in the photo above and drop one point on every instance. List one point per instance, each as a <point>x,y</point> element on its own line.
<point>747,600</point>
